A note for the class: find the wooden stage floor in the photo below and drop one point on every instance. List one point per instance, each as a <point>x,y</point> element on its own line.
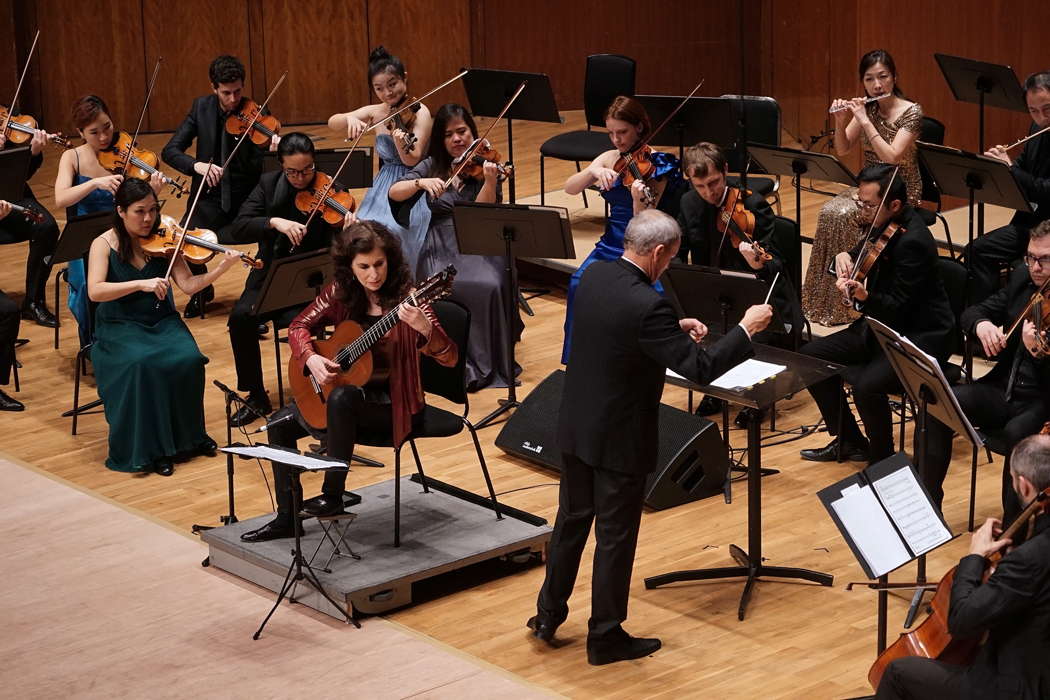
<point>799,640</point>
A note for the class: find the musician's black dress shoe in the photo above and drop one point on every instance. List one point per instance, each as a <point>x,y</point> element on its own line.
<point>851,452</point>
<point>277,529</point>
<point>262,329</point>
<point>623,649</point>
<point>543,627</point>
<point>193,308</point>
<point>323,505</point>
<point>709,406</point>
<point>9,404</point>
<point>37,312</point>
<point>164,467</point>
<point>245,415</point>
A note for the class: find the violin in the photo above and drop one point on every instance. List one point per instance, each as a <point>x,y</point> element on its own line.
<point>263,128</point>
<point>931,638</point>
<point>200,246</point>
<point>29,214</point>
<point>739,223</point>
<point>122,157</point>
<point>477,156</point>
<point>406,121</point>
<point>20,129</point>
<point>1037,310</point>
<point>335,206</point>
<point>637,165</point>
<point>869,255</point>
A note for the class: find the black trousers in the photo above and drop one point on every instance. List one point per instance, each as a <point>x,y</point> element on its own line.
<point>985,404</point>
<point>9,320</point>
<point>916,678</point>
<point>872,378</point>
<point>42,237</point>
<point>989,253</point>
<point>349,415</point>
<point>244,339</point>
<point>613,501</point>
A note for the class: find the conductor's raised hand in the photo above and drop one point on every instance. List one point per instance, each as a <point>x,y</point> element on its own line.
<point>323,370</point>
<point>756,318</point>
<point>697,331</point>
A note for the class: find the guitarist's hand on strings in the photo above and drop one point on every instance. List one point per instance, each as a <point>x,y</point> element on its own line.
<point>323,370</point>
<point>416,319</point>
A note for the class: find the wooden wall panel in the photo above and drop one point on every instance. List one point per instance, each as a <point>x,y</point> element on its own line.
<point>10,62</point>
<point>324,47</point>
<point>95,48</point>
<point>399,25</point>
<point>189,34</point>
<point>673,49</point>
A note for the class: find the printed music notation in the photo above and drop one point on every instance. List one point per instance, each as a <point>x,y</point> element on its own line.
<point>911,511</point>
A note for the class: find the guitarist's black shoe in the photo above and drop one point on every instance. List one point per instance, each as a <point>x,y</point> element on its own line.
<point>245,415</point>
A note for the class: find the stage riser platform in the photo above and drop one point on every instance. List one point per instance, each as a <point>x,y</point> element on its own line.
<point>440,533</point>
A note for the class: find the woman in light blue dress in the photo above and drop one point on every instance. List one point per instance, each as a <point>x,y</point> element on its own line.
<point>399,149</point>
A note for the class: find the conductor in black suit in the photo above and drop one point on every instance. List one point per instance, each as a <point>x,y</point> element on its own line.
<point>624,336</point>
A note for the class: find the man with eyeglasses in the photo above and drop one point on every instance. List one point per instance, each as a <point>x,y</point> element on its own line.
<point>1013,399</point>
<point>270,218</point>
<point>1032,171</point>
<point>902,290</point>
<point>205,123</point>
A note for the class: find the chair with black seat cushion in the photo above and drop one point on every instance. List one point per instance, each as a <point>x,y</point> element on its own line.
<point>607,77</point>
<point>932,131</point>
<point>449,383</point>
<point>762,117</point>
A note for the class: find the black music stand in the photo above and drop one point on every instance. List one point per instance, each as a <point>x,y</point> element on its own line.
<point>802,371</point>
<point>779,160</point>
<point>296,281</point>
<point>299,569</point>
<point>488,91</point>
<point>14,166</point>
<point>927,387</point>
<point>699,119</point>
<point>356,175</point>
<point>701,292</point>
<point>511,231</point>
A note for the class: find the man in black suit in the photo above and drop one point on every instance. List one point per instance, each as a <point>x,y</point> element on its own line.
<point>902,290</point>
<point>1012,607</point>
<point>624,336</point>
<point>270,218</point>
<point>1032,171</point>
<point>1014,397</point>
<point>206,123</point>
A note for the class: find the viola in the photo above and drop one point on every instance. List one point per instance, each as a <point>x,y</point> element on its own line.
<point>406,122</point>
<point>476,159</point>
<point>931,638</point>
<point>263,128</point>
<point>634,165</point>
<point>20,129</point>
<point>200,246</point>
<point>122,157</point>
<point>334,206</point>
<point>739,223</point>
<point>29,214</point>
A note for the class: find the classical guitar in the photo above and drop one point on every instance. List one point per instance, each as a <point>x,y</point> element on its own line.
<point>350,346</point>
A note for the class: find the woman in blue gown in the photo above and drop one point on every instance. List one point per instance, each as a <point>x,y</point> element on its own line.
<point>399,150</point>
<point>628,125</point>
<point>149,370</point>
<point>82,186</point>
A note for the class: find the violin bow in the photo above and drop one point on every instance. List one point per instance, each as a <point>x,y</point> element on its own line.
<point>1044,292</point>
<point>628,157</point>
<point>465,157</point>
<point>182,234</point>
<point>247,130</point>
<point>331,183</point>
<point>142,114</point>
<point>18,89</point>
<point>867,238</point>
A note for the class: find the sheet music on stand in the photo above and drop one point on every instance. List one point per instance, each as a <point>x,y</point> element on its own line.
<point>885,515</point>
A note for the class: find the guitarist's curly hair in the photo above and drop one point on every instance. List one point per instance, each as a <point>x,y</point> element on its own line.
<point>364,237</point>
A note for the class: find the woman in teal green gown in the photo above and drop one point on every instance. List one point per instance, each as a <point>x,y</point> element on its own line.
<point>149,371</point>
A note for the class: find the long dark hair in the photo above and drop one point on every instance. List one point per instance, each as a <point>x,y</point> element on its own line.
<point>442,163</point>
<point>132,190</point>
<point>380,61</point>
<point>363,237</point>
<point>879,56</point>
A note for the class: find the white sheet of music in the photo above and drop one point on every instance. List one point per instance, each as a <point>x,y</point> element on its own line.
<point>748,373</point>
<point>912,512</point>
<point>298,460</point>
<point>870,529</point>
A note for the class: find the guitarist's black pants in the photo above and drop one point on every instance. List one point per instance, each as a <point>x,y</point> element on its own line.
<point>350,416</point>
<point>244,338</point>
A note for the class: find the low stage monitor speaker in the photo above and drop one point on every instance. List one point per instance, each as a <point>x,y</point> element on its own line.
<point>692,460</point>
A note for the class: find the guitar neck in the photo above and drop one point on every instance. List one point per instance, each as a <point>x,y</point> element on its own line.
<point>353,352</point>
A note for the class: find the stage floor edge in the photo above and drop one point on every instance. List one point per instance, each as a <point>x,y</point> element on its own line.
<point>441,531</point>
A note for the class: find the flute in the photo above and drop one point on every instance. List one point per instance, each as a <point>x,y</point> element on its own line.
<point>1015,144</point>
<point>866,101</point>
